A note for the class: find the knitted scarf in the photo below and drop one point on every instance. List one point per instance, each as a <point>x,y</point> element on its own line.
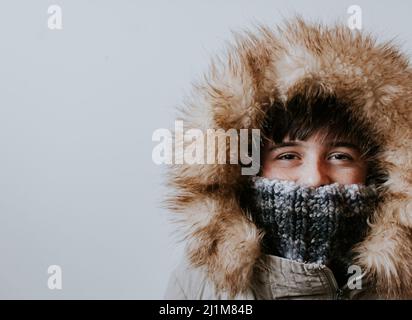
<point>312,225</point>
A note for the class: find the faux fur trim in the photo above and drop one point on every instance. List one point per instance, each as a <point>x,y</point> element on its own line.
<point>273,65</point>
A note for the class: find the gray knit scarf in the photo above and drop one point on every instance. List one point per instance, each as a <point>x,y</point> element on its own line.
<point>313,225</point>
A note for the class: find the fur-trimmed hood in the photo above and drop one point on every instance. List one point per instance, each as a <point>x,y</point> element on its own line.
<point>273,65</point>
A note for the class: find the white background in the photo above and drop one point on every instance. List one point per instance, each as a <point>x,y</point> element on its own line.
<point>78,187</point>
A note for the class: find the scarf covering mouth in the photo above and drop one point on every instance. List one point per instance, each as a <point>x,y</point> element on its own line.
<point>312,225</point>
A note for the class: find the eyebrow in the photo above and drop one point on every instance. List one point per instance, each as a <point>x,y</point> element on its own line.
<point>337,144</point>
<point>343,144</point>
<point>285,144</point>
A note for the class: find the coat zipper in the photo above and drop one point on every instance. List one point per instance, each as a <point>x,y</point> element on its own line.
<point>337,293</point>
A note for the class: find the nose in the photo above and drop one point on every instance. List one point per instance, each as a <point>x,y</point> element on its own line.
<point>315,174</point>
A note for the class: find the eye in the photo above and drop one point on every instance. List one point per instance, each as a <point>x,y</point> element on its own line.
<point>340,156</point>
<point>287,156</point>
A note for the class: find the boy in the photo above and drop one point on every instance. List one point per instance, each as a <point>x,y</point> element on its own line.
<point>333,195</point>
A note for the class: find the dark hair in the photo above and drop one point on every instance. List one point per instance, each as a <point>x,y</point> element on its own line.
<point>300,118</point>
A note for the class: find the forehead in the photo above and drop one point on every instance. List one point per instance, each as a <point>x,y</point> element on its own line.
<point>315,141</point>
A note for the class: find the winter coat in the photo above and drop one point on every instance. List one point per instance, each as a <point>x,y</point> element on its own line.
<point>283,279</point>
<point>224,257</point>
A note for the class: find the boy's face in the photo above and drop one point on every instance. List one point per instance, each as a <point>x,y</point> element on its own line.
<point>314,162</point>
